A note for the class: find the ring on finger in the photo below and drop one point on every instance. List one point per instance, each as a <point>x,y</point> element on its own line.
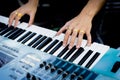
<point>75,30</point>
<point>19,15</point>
<point>82,32</point>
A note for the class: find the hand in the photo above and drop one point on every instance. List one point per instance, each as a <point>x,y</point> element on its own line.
<point>79,25</point>
<point>16,15</point>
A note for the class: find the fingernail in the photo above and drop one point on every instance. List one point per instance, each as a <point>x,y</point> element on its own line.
<point>54,36</point>
<point>70,47</point>
<point>14,27</point>
<point>64,45</point>
<point>28,25</point>
<point>77,46</point>
<point>88,44</point>
<point>8,25</point>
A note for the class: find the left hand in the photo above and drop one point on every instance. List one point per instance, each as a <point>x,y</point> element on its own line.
<point>80,25</point>
<point>16,15</point>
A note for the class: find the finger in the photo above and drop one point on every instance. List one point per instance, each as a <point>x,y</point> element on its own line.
<point>88,39</point>
<point>11,18</point>
<point>60,31</point>
<point>73,37</point>
<point>18,17</point>
<point>80,38</point>
<point>31,20</point>
<point>66,37</point>
<point>65,27</point>
<point>16,22</point>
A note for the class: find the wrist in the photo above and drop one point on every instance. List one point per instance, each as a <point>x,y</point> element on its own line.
<point>86,15</point>
<point>33,2</point>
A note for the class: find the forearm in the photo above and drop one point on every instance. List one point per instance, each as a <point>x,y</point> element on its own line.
<point>92,7</point>
<point>33,2</point>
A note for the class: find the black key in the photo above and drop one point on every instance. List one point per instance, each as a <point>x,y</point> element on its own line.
<point>51,45</point>
<point>24,36</point>
<point>69,52</point>
<point>39,41</point>
<point>77,53</point>
<point>63,51</point>
<point>6,30</point>
<point>2,29</point>
<point>33,41</point>
<point>16,34</point>
<point>92,59</point>
<point>44,43</point>
<point>10,32</point>
<point>3,26</point>
<point>56,48</point>
<point>28,38</point>
<point>85,57</point>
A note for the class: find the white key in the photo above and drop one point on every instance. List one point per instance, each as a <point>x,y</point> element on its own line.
<point>31,39</point>
<point>65,54</point>
<point>83,44</point>
<point>6,33</point>
<point>102,50</point>
<point>21,35</point>
<point>47,45</point>
<point>38,29</point>
<point>59,50</point>
<point>95,47</point>
<point>53,47</point>
<point>77,60</point>
<point>71,55</point>
<point>4,20</point>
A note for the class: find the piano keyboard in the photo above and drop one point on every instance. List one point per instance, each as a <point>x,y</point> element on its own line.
<point>43,39</point>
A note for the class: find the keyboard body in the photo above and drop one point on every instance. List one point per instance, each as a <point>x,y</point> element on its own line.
<point>20,61</point>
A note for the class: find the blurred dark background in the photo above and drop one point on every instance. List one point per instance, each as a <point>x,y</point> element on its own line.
<point>53,14</point>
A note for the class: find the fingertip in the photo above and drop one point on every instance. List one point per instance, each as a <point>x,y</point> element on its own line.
<point>70,47</point>
<point>9,25</point>
<point>29,25</point>
<point>77,46</point>
<point>89,43</point>
<point>64,44</point>
<point>15,25</point>
<point>57,34</point>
